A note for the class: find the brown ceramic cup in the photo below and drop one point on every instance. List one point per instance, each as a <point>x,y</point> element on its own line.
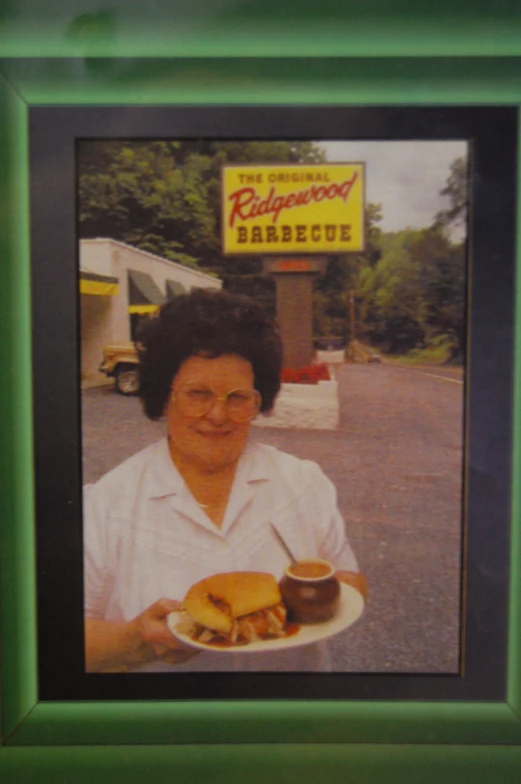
<point>310,591</point>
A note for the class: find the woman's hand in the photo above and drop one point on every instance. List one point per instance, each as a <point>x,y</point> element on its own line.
<point>355,580</point>
<point>112,646</point>
<point>154,637</point>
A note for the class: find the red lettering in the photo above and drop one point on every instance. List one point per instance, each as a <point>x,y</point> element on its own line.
<point>247,204</point>
<point>292,265</point>
<point>345,188</point>
<point>303,197</point>
<point>278,205</point>
<point>241,199</point>
<point>265,205</point>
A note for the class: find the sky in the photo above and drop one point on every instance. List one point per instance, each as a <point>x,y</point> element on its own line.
<point>405,177</point>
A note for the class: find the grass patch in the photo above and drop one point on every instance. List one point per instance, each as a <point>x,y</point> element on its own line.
<point>432,355</point>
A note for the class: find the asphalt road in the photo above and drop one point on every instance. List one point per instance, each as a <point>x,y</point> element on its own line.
<point>396,460</point>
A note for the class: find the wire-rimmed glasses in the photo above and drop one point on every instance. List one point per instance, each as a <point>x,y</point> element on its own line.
<point>196,400</point>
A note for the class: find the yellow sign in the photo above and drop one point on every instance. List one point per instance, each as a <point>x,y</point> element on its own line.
<point>293,208</point>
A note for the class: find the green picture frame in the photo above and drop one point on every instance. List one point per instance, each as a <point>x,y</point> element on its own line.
<point>302,741</point>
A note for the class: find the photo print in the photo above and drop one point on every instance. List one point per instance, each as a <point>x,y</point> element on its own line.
<point>357,252</point>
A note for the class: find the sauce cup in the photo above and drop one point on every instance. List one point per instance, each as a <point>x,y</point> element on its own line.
<point>310,591</point>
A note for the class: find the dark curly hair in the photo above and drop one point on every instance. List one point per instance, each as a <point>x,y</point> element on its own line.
<point>211,323</point>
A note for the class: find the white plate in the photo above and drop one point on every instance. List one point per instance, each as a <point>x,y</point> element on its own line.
<point>350,609</point>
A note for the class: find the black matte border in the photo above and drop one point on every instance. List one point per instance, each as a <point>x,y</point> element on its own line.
<point>54,132</point>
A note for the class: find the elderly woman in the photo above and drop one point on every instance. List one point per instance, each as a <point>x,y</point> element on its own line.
<point>201,500</point>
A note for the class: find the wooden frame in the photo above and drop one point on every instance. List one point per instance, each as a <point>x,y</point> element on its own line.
<point>367,741</point>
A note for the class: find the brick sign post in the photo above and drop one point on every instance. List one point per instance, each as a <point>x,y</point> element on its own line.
<point>294,281</point>
<point>295,216</point>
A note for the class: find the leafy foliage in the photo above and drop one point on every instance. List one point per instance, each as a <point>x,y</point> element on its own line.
<point>456,190</point>
<point>139,194</point>
<point>415,293</point>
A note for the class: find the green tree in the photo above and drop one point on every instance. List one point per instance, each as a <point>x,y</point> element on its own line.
<point>415,294</point>
<point>442,270</point>
<point>412,293</point>
<point>456,190</point>
<point>138,193</point>
<point>389,296</point>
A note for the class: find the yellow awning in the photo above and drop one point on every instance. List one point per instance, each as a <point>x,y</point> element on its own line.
<point>142,308</point>
<point>98,287</point>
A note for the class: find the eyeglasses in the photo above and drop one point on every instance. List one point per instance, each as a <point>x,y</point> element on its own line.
<point>194,400</point>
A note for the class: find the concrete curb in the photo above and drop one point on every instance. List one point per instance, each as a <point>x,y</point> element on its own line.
<point>305,406</point>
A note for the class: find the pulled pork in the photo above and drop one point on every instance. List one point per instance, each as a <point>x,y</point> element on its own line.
<point>262,625</point>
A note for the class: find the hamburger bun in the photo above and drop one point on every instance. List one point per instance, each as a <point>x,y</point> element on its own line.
<point>217,600</point>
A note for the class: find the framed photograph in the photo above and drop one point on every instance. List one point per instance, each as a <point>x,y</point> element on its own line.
<point>431,512</point>
<point>426,551</point>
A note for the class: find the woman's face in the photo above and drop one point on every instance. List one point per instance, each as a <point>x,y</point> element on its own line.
<point>211,442</point>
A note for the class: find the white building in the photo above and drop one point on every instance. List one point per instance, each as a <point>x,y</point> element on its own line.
<point>119,285</point>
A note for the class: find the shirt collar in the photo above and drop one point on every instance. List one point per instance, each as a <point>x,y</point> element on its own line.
<point>165,479</point>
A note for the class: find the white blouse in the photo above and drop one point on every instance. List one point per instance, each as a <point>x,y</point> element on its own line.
<point>145,537</point>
